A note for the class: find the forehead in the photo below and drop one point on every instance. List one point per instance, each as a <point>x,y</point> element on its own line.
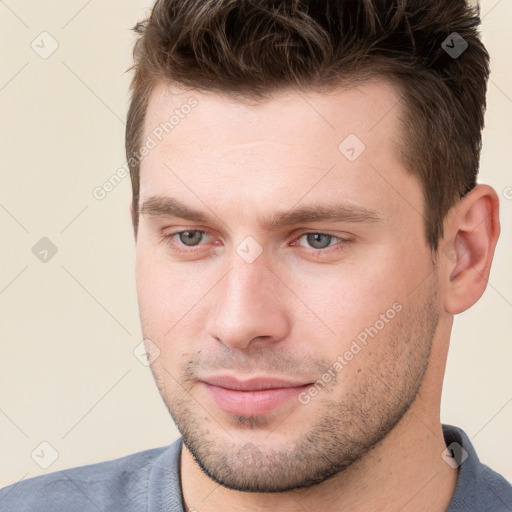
<point>358,109</point>
<point>295,146</point>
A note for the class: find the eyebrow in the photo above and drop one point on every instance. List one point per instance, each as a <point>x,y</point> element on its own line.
<point>163,206</point>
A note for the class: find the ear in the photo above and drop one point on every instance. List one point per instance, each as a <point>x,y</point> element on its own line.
<point>471,233</point>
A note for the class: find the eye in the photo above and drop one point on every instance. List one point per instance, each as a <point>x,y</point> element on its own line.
<point>190,238</point>
<point>322,246</point>
<point>186,241</point>
<point>316,244</point>
<point>318,240</point>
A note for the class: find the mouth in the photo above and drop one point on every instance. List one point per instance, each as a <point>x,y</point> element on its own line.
<point>253,397</point>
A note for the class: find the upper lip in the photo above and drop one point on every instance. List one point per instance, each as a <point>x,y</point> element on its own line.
<point>253,384</point>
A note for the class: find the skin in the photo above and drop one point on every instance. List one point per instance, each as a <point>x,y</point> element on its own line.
<point>371,439</point>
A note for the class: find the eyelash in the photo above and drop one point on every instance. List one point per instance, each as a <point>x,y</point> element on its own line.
<point>169,240</point>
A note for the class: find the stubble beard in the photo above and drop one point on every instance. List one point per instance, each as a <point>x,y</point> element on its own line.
<point>349,426</point>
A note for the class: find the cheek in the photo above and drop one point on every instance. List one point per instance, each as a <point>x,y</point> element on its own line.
<point>351,298</point>
<point>173,302</point>
<point>348,291</point>
<point>162,285</point>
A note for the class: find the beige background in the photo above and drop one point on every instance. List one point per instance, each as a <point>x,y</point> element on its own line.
<point>68,375</point>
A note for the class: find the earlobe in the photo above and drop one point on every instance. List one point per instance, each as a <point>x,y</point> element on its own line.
<point>473,230</point>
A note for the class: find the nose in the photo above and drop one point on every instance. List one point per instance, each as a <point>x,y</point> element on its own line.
<point>249,307</point>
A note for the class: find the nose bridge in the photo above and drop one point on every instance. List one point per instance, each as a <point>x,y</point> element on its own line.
<point>249,281</point>
<point>247,306</point>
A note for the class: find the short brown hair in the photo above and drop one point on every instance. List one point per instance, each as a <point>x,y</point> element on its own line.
<point>248,49</point>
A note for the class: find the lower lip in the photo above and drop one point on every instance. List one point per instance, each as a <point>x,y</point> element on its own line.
<point>252,403</point>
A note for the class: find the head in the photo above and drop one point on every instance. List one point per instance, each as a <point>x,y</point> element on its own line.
<point>305,208</point>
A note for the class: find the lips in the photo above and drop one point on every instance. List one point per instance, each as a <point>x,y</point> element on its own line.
<point>252,397</point>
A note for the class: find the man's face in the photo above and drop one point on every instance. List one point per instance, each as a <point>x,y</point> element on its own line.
<point>303,271</point>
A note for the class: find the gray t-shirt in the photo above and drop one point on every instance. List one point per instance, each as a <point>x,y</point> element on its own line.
<point>149,481</point>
